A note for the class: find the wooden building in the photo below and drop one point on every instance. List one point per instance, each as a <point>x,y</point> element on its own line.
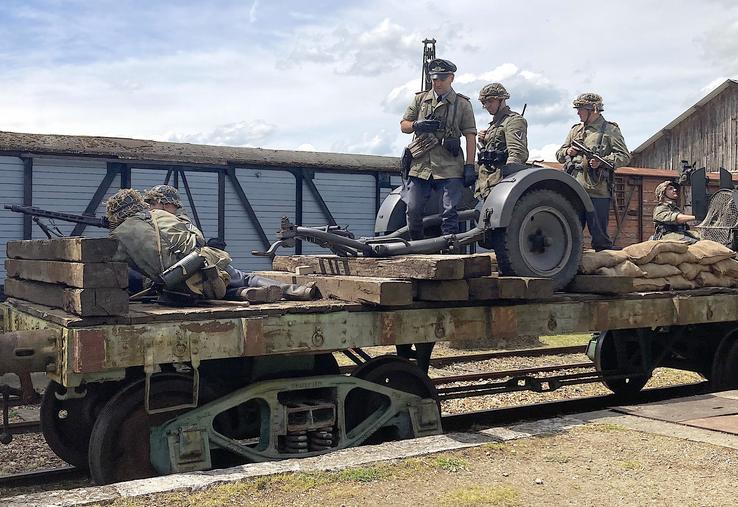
<point>705,134</point>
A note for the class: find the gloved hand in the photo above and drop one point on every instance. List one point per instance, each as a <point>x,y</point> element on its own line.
<point>470,175</point>
<point>426,125</point>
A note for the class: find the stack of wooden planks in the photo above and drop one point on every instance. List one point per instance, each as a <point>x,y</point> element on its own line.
<point>398,281</point>
<point>75,274</point>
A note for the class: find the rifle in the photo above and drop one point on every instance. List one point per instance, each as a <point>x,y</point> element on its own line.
<point>37,213</point>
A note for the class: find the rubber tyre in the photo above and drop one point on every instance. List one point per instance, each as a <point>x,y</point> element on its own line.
<point>515,254</point>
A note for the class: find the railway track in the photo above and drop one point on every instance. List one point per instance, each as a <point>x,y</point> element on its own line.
<point>451,423</point>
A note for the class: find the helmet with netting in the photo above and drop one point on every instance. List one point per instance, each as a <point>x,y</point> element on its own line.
<point>590,101</point>
<point>661,189</point>
<point>165,194</point>
<point>493,91</point>
<point>123,204</point>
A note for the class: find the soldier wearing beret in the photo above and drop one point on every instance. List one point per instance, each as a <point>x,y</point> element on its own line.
<point>504,144</point>
<point>438,118</point>
<point>603,138</point>
<point>670,221</point>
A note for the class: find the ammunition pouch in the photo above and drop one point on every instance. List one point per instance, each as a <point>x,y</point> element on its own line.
<point>453,145</point>
<point>492,158</point>
<point>662,229</point>
<point>179,272</point>
<point>422,145</point>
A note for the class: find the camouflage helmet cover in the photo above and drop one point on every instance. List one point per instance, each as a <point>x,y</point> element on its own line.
<point>123,204</point>
<point>590,101</point>
<point>493,91</point>
<point>661,189</point>
<point>165,194</point>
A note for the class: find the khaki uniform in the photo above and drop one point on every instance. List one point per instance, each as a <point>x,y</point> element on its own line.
<point>457,119</point>
<point>152,241</point>
<point>508,130</point>
<point>665,217</point>
<point>603,137</point>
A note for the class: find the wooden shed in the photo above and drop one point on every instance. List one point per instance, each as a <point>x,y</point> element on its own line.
<point>706,133</point>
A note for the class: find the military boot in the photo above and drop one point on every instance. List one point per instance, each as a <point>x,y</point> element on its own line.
<point>269,294</point>
<point>306,292</point>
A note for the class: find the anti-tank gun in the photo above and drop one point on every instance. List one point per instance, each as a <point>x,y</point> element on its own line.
<point>532,219</point>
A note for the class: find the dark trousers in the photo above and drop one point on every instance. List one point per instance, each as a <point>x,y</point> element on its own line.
<point>416,194</point>
<point>597,223</point>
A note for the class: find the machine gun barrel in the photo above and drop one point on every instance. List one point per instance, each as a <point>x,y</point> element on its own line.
<point>57,215</point>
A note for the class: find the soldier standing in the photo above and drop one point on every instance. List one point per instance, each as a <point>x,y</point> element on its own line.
<point>504,144</point>
<point>604,139</point>
<point>438,118</point>
<point>670,222</point>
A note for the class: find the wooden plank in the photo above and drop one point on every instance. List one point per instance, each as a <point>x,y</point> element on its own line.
<point>443,290</point>
<point>600,284</point>
<point>378,291</point>
<point>82,302</point>
<point>509,287</point>
<point>477,265</point>
<point>419,267</point>
<point>64,249</point>
<point>73,274</point>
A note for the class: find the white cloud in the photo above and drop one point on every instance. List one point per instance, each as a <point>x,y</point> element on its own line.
<point>547,153</point>
<point>252,11</point>
<point>306,147</point>
<point>243,133</point>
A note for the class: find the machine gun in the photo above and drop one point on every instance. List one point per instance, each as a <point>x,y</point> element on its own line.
<point>38,213</point>
<point>591,154</point>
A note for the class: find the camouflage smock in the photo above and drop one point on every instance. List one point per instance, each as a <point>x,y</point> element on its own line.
<point>612,148</point>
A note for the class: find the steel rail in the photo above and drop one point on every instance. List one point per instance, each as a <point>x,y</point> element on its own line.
<point>43,476</point>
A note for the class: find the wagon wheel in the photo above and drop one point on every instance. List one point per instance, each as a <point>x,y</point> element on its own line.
<point>543,239</point>
<point>119,443</point>
<point>395,373</point>
<point>616,356</point>
<point>724,374</point>
<point>67,423</point>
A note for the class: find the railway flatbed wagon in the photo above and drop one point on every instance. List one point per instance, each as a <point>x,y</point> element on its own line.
<point>160,390</point>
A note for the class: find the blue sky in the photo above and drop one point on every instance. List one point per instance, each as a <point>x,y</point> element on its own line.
<point>336,76</point>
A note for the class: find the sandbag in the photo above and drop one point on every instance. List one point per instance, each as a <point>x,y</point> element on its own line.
<point>710,252</point>
<point>625,268</point>
<point>646,284</point>
<point>592,261</point>
<point>674,258</point>
<point>643,253</point>
<point>680,283</point>
<point>709,279</point>
<point>725,267</point>
<point>690,270</point>
<point>659,270</point>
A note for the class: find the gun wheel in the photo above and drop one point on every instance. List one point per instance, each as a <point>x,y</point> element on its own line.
<point>544,238</point>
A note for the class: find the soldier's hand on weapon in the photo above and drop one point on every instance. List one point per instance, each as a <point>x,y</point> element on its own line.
<point>572,151</point>
<point>594,163</point>
<point>480,136</point>
<point>426,125</point>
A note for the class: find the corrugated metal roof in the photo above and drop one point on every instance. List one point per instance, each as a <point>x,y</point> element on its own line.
<point>125,149</point>
<point>686,114</point>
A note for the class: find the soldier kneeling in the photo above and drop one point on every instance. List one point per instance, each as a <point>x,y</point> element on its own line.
<point>670,222</point>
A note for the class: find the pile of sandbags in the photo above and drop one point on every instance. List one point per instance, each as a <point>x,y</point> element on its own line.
<point>666,264</point>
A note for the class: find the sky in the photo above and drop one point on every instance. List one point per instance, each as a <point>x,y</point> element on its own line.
<point>336,76</point>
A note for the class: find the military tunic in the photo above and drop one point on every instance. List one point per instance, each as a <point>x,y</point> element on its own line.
<point>184,217</point>
<point>508,130</point>
<point>611,148</point>
<point>152,241</point>
<point>457,118</point>
<point>665,214</point>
